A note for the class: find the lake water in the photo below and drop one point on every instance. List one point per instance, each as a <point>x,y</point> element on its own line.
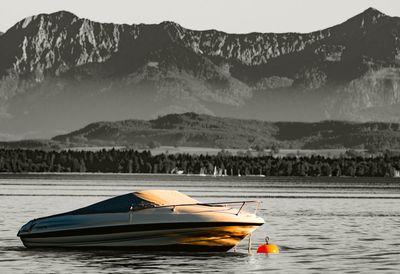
<point>321,225</point>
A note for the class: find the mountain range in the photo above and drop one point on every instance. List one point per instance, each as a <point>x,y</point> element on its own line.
<point>59,72</point>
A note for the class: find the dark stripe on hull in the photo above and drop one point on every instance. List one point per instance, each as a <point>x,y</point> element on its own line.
<point>162,248</point>
<point>133,228</point>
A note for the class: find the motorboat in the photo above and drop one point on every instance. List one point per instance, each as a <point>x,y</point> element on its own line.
<point>147,220</point>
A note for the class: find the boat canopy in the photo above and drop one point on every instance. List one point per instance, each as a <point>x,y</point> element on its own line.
<point>136,200</point>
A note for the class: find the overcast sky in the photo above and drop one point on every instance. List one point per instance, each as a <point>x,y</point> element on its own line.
<point>227,15</point>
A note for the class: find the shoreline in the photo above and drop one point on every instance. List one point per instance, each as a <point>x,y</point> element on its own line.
<point>200,178</point>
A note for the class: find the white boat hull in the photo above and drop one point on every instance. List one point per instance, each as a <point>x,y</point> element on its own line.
<point>199,227</point>
<point>215,237</point>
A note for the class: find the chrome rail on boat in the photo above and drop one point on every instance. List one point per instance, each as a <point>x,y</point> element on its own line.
<point>222,204</point>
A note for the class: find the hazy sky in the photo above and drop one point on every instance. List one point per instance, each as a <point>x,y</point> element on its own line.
<point>227,15</point>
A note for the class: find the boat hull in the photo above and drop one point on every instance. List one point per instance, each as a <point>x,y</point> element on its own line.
<point>166,237</point>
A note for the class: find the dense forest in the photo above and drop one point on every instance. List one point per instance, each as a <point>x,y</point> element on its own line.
<point>224,163</point>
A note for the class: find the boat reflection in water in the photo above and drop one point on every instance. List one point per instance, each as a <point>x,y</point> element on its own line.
<point>146,220</point>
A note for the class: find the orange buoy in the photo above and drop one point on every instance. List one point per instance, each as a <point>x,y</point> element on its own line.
<point>268,248</point>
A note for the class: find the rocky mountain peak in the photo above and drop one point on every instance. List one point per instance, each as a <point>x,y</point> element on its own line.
<point>372,12</point>
<point>54,19</point>
<point>167,24</point>
<point>175,31</point>
<point>63,14</point>
<point>368,18</point>
<point>56,42</point>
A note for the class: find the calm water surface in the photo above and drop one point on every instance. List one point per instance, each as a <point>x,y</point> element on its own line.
<point>321,225</point>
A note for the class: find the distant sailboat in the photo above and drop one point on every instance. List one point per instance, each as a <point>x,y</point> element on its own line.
<point>215,171</point>
<point>202,173</point>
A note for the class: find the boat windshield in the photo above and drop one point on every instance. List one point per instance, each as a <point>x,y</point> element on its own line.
<point>121,203</point>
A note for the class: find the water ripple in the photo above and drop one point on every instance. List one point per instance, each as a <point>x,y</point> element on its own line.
<point>320,225</point>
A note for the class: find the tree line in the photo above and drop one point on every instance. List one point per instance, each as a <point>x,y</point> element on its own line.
<point>132,161</point>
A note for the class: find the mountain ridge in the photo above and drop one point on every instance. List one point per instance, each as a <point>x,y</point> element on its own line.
<point>60,72</point>
<point>177,32</point>
<point>201,130</point>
